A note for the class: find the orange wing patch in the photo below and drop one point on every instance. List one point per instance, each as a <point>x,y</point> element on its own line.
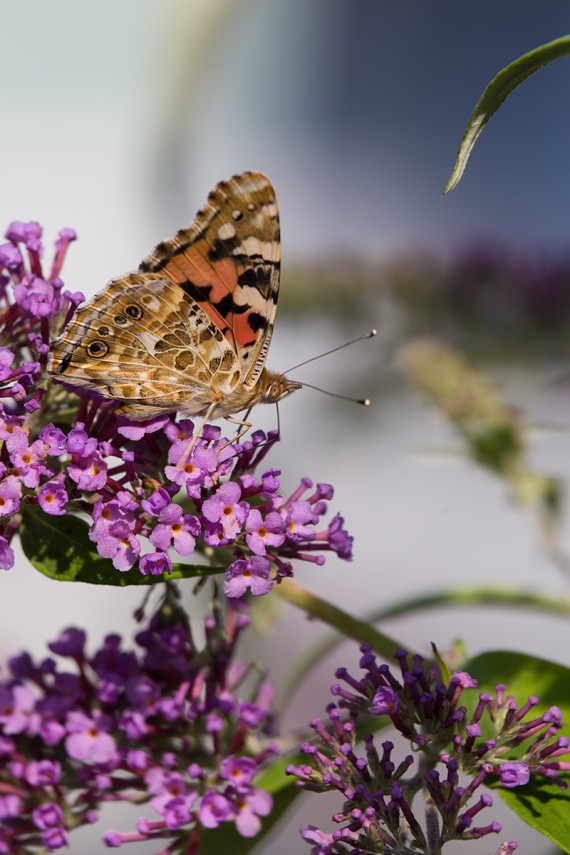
<point>228,262</point>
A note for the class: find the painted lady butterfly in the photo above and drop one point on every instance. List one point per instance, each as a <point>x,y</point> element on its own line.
<point>190,330</point>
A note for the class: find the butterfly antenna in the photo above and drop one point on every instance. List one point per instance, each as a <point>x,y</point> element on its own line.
<point>371,334</point>
<point>364,402</point>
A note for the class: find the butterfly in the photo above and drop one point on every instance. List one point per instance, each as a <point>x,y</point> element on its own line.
<point>189,331</point>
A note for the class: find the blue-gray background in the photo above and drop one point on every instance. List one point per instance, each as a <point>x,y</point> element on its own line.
<point>117,118</point>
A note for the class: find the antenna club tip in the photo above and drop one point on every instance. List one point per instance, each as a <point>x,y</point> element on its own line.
<point>365,402</point>
<point>372,333</point>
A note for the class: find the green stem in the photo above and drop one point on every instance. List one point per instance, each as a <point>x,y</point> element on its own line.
<point>347,625</point>
<point>476,597</point>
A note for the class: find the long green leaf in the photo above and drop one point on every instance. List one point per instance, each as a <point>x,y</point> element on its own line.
<point>541,805</point>
<point>498,89</point>
<point>59,547</point>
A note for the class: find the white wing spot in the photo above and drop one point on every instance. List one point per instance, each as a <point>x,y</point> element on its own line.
<point>251,245</point>
<point>237,215</point>
<point>226,231</point>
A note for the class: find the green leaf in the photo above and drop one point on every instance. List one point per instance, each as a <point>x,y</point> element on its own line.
<point>496,92</point>
<point>541,805</point>
<point>59,547</point>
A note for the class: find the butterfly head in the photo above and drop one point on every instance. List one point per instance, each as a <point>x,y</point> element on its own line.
<point>274,387</point>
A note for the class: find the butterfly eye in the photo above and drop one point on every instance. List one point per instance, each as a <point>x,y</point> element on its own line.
<point>134,311</point>
<point>97,349</point>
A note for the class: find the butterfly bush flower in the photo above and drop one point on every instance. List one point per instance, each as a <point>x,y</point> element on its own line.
<point>181,730</point>
<point>152,492</point>
<point>378,789</point>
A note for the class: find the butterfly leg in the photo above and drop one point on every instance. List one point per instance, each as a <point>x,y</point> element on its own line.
<point>243,424</point>
<point>185,457</point>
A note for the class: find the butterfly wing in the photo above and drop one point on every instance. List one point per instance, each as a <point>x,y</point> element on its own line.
<point>193,326</point>
<point>145,342</point>
<point>228,260</point>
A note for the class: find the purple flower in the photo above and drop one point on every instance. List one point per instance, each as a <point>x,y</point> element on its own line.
<point>339,539</point>
<point>7,557</point>
<point>133,430</point>
<point>14,432</point>
<point>10,256</point>
<point>214,809</point>
<point>244,574</point>
<point>177,811</point>
<point>54,438</point>
<point>120,545</point>
<point>112,530</point>
<point>385,702</point>
<point>6,360</point>
<point>65,237</point>
<point>26,233</point>
<point>47,815</point>
<point>513,774</point>
<point>250,715</point>
<point>52,496</point>
<point>79,443</point>
<point>298,521</point>
<point>224,507</point>
<point>43,773</point>
<point>28,463</point>
<point>89,739</point>
<point>55,838</point>
<point>324,842</point>
<point>155,564</point>
<point>262,533</point>
<point>70,642</point>
<point>142,694</point>
<point>156,502</point>
<point>249,808</point>
<point>378,792</point>
<point>239,771</point>
<point>194,472</point>
<point>89,473</point>
<point>164,719</point>
<point>36,297</point>
<point>177,529</point>
<point>10,806</point>
<point>10,495</point>
<point>105,514</point>
<point>17,709</point>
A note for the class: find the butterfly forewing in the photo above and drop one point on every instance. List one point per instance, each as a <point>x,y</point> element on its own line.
<point>228,260</point>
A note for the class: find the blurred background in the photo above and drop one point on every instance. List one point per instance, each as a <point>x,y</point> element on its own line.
<point>118,118</point>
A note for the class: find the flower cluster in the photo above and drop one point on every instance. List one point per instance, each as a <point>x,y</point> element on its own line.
<point>148,489</point>
<point>166,724</point>
<point>377,813</point>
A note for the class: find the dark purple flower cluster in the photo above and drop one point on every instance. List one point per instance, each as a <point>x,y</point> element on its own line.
<point>149,489</point>
<point>168,724</point>
<point>377,814</point>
